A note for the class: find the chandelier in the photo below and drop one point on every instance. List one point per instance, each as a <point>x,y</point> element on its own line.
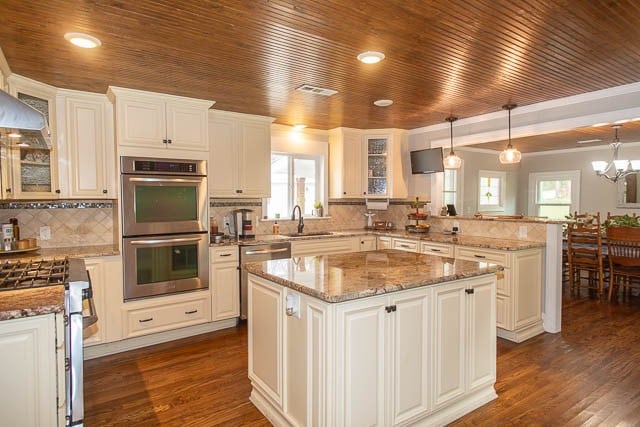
<point>616,169</point>
<point>452,161</point>
<point>510,155</point>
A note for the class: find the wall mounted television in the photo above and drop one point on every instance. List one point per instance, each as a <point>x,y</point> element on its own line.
<point>425,161</point>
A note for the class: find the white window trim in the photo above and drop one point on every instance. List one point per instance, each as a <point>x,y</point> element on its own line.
<point>503,188</point>
<point>458,201</point>
<point>573,175</point>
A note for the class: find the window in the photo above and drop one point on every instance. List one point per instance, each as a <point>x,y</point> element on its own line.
<point>492,188</point>
<point>295,180</point>
<point>554,194</point>
<point>450,186</point>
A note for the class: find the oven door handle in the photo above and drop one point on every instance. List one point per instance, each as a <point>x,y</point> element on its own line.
<point>167,180</point>
<point>266,251</point>
<point>158,241</point>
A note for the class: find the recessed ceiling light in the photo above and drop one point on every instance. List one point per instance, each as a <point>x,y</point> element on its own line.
<point>586,141</point>
<point>600,124</point>
<point>299,127</point>
<point>14,134</point>
<point>371,57</point>
<point>383,102</point>
<point>83,40</point>
<point>619,122</point>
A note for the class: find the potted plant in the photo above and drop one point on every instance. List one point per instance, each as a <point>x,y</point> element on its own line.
<point>317,208</point>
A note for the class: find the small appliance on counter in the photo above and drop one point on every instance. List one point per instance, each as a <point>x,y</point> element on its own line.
<point>243,224</point>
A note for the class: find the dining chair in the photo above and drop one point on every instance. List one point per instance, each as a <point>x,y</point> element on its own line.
<point>585,255</point>
<point>624,258</point>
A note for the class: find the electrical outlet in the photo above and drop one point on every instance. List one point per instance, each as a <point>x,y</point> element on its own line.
<point>522,232</point>
<point>45,233</point>
<point>456,226</point>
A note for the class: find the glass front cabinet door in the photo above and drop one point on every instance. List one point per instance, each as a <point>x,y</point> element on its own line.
<point>31,157</point>
<point>377,166</point>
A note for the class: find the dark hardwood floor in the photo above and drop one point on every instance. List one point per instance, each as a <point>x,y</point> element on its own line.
<point>589,374</point>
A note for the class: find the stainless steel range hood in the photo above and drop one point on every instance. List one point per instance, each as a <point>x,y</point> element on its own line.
<point>16,114</point>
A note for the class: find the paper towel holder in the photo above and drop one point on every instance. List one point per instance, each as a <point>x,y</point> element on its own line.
<point>377,205</point>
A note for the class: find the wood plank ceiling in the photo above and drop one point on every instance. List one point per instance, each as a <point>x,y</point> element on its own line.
<point>462,57</point>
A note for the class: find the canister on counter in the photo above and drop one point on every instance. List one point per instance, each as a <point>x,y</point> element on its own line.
<point>7,237</point>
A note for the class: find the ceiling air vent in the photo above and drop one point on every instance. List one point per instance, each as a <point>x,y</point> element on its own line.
<point>316,90</point>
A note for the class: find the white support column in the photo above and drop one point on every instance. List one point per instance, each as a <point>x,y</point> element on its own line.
<point>552,290</point>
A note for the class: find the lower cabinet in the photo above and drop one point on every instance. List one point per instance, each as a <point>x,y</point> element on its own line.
<point>224,283</point>
<point>333,245</point>
<point>425,355</point>
<point>106,274</point>
<point>384,242</point>
<point>407,245</point>
<point>32,371</point>
<point>366,243</point>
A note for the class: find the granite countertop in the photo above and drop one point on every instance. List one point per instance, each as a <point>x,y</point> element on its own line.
<point>457,239</point>
<point>71,252</point>
<point>345,277</point>
<point>506,218</point>
<point>31,302</point>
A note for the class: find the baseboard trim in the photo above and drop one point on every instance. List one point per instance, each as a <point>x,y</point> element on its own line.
<point>521,334</point>
<point>100,350</point>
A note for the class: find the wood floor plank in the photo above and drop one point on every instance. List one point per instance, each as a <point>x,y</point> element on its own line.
<point>587,375</point>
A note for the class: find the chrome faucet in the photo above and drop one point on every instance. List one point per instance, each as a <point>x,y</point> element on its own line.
<point>300,221</point>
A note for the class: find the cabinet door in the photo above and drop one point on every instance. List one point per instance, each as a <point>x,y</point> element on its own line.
<point>28,371</point>
<point>90,147</point>
<point>225,282</point>
<point>265,336</point>
<point>481,325</point>
<point>186,127</point>
<point>526,285</point>
<point>360,350</point>
<point>376,165</point>
<point>405,245</point>
<point>141,122</point>
<point>352,169</point>
<point>383,242</point>
<point>223,158</point>
<point>367,243</point>
<point>255,159</point>
<point>411,355</point>
<point>450,342</point>
<point>95,334</point>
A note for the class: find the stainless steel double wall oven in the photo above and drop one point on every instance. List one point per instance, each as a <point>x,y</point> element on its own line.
<point>164,212</point>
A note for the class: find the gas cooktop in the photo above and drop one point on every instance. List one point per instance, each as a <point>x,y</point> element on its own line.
<point>33,273</point>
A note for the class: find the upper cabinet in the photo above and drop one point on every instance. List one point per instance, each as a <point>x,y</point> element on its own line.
<point>366,163</point>
<point>86,145</point>
<point>30,162</point>
<point>239,155</point>
<point>158,121</point>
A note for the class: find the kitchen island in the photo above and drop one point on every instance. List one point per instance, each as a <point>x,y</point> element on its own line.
<point>371,338</point>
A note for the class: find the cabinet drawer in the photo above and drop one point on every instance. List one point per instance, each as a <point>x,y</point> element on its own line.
<point>440,249</point>
<point>165,317</point>
<point>223,254</point>
<point>405,245</point>
<point>481,254</point>
<point>322,246</point>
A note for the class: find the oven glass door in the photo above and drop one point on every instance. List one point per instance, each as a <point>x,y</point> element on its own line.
<point>161,265</point>
<point>163,204</point>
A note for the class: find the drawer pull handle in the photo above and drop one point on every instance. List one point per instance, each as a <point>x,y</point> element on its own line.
<point>225,254</point>
<point>469,291</point>
<point>191,312</point>
<point>145,320</point>
<point>479,256</point>
<point>404,246</point>
<point>436,250</point>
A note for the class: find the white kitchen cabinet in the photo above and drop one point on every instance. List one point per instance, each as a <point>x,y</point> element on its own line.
<point>158,121</point>
<point>383,242</point>
<point>434,248</point>
<point>519,290</point>
<point>30,359</point>
<point>367,243</point>
<point>465,339</point>
<point>224,283</point>
<point>407,245</point>
<point>32,170</point>
<point>333,245</point>
<point>105,274</point>
<point>240,155</point>
<point>368,163</point>
<point>89,150</point>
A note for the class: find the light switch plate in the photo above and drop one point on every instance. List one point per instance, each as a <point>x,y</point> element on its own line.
<point>45,233</point>
<point>522,232</point>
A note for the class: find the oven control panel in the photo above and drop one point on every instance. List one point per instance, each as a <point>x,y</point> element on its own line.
<point>138,165</point>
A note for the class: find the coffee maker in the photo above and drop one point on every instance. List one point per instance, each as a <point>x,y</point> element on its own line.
<point>243,224</point>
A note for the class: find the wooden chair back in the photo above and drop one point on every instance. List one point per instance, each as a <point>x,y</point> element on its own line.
<point>584,254</point>
<point>624,246</point>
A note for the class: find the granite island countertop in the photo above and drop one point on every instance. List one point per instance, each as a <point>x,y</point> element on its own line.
<point>62,252</point>
<point>345,277</point>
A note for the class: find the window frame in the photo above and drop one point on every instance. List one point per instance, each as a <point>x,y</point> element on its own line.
<point>535,177</point>
<point>502,176</point>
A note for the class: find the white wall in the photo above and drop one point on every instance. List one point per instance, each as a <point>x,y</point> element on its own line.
<point>596,194</point>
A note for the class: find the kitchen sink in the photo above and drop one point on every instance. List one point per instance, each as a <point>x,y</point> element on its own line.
<point>312,233</point>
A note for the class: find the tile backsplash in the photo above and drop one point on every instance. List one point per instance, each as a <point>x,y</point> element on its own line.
<point>72,223</point>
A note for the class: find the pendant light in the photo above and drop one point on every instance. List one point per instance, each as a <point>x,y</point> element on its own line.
<point>616,169</point>
<point>510,155</point>
<point>451,161</point>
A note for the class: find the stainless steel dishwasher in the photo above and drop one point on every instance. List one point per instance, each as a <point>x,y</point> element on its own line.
<point>255,253</point>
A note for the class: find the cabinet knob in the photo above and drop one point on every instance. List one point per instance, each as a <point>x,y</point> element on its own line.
<point>58,191</point>
<point>164,141</point>
<point>104,191</point>
<point>239,191</point>
<point>168,141</point>
<point>364,192</point>
<point>344,192</point>
<point>469,291</point>
<point>8,190</point>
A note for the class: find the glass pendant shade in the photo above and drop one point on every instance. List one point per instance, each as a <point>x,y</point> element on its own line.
<point>510,155</point>
<point>452,161</point>
<point>621,165</point>
<point>616,169</point>
<point>599,166</point>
